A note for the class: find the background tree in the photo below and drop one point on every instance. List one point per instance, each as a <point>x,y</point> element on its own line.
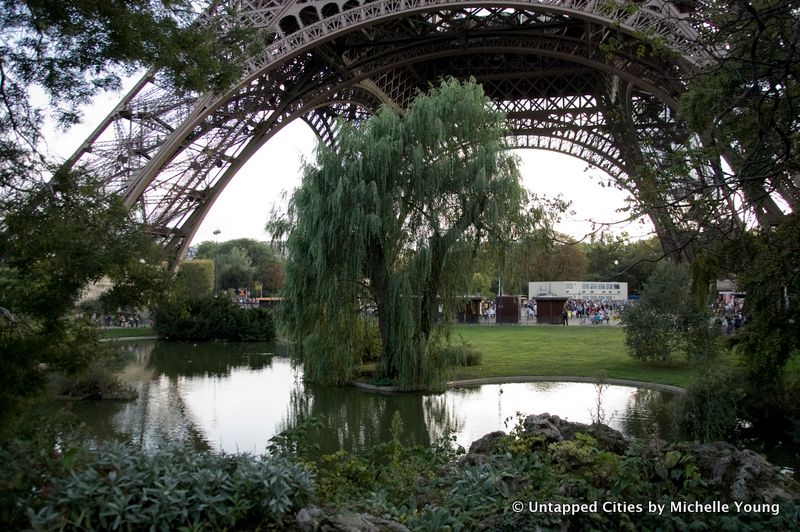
<point>195,278</point>
<point>667,319</point>
<point>393,218</point>
<point>617,260</point>
<point>244,262</point>
<point>234,270</point>
<point>561,262</point>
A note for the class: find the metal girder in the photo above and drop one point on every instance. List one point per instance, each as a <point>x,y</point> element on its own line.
<point>542,62</point>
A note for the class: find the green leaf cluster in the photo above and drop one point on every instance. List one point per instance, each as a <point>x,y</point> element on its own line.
<point>68,50</point>
<point>211,318</point>
<point>54,241</point>
<point>117,486</point>
<point>668,319</point>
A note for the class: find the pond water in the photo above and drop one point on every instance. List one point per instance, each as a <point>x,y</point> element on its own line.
<point>235,397</point>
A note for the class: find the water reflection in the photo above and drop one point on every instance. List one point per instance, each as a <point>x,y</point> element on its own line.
<point>235,397</point>
<point>354,419</point>
<point>500,406</point>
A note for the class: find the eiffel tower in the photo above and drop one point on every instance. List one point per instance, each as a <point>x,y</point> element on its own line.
<point>595,79</point>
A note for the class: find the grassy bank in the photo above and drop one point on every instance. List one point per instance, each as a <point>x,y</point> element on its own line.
<point>126,332</point>
<point>553,350</point>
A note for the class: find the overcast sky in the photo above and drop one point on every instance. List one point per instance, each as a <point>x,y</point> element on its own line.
<point>244,206</point>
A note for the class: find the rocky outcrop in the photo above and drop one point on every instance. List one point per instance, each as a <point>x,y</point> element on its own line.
<point>548,429</point>
<point>481,448</point>
<point>743,474</point>
<point>553,429</point>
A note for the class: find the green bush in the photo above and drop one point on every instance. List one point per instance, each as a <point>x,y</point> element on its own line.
<point>709,409</point>
<point>668,319</point>
<point>460,355</point>
<point>195,278</point>
<point>212,318</point>
<point>121,487</point>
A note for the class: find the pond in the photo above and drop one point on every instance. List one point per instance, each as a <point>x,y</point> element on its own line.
<point>235,397</point>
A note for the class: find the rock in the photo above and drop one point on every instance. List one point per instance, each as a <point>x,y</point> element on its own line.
<point>481,448</point>
<point>309,519</point>
<point>312,519</point>
<point>554,429</point>
<point>487,443</point>
<point>543,426</point>
<point>744,474</point>
<point>608,439</point>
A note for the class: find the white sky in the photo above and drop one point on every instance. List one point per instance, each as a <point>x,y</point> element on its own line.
<point>242,209</point>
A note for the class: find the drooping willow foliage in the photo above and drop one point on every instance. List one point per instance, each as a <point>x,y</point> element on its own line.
<point>390,221</point>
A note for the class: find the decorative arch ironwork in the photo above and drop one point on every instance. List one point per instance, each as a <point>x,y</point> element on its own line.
<point>548,64</point>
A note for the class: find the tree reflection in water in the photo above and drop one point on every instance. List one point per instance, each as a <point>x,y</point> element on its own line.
<point>356,420</point>
<point>649,414</point>
<point>237,396</point>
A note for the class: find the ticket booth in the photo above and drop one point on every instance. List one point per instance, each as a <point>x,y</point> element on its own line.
<point>469,310</point>
<point>507,309</point>
<point>549,309</point>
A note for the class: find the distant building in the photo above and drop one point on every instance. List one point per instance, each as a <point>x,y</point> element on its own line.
<point>582,290</point>
<point>93,291</point>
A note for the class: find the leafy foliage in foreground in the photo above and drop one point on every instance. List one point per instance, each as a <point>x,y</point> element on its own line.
<point>438,488</point>
<point>53,242</point>
<point>423,488</point>
<point>119,486</point>
<point>212,318</point>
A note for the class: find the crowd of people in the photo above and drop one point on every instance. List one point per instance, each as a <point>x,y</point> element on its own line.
<point>588,311</point>
<point>594,312</point>
<point>728,310</point>
<point>119,319</point>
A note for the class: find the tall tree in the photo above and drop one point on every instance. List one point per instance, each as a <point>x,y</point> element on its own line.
<point>53,242</point>
<point>745,104</point>
<point>69,49</point>
<point>234,269</point>
<point>392,218</point>
<point>59,230</point>
<point>563,262</point>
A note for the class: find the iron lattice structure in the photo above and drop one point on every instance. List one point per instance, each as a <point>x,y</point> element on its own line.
<point>574,76</point>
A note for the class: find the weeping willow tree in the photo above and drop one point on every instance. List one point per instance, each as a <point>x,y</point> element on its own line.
<point>391,219</point>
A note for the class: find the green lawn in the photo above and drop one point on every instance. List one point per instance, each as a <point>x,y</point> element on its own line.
<point>569,351</point>
<point>126,332</point>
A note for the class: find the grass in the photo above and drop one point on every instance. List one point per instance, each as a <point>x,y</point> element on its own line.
<point>567,351</point>
<point>126,332</point>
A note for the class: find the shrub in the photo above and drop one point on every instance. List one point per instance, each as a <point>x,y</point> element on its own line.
<point>212,318</point>
<point>460,355</point>
<point>709,409</point>
<point>120,487</point>
<point>668,319</point>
